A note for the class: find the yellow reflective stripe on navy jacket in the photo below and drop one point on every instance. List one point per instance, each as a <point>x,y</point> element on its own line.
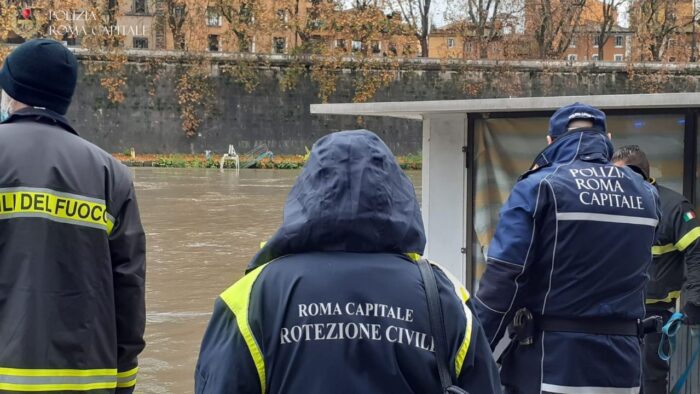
<point>237,297</point>
<point>46,380</point>
<point>463,295</point>
<point>26,202</point>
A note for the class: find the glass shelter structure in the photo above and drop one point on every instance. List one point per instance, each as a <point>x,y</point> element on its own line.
<point>474,151</point>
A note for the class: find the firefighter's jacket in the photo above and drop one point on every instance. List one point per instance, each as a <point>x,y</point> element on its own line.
<point>334,302</point>
<point>573,241</point>
<point>72,260</point>
<point>676,251</point>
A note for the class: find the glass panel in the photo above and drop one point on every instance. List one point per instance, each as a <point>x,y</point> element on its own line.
<point>660,137</point>
<point>505,148</point>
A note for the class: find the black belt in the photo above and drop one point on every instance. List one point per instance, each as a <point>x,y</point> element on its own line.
<point>597,326</point>
<point>525,326</point>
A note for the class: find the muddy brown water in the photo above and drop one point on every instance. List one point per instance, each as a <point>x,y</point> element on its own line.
<point>202,228</point>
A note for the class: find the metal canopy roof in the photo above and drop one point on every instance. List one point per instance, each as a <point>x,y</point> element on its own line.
<point>424,109</point>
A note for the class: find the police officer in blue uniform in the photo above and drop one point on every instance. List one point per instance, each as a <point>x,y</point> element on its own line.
<point>334,302</point>
<point>568,265</point>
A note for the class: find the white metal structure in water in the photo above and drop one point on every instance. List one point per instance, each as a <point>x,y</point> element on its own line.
<point>231,155</point>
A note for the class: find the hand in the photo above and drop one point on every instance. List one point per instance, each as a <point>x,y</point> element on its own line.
<point>692,314</point>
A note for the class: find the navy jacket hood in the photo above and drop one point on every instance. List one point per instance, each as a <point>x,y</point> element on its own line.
<point>351,196</point>
<point>595,146</point>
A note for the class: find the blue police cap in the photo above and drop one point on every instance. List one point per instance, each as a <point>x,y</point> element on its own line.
<point>559,122</point>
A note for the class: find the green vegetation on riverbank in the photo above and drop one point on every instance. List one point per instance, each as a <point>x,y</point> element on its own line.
<point>284,162</point>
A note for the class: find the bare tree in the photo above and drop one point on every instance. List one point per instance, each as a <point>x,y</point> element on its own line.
<point>553,24</point>
<point>483,21</point>
<point>175,16</point>
<point>608,20</point>
<point>656,22</point>
<point>417,14</point>
<point>244,17</point>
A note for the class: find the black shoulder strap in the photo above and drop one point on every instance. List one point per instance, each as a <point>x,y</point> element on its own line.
<point>437,326</point>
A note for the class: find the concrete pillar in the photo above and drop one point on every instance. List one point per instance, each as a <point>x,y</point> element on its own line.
<point>445,191</point>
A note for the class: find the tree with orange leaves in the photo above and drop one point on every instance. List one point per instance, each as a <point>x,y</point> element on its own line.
<point>656,22</point>
<point>483,22</point>
<point>606,21</point>
<point>417,14</point>
<point>553,24</point>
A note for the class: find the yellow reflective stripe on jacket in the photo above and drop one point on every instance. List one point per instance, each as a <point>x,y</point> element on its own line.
<point>127,378</point>
<point>463,295</point>
<point>663,249</point>
<point>237,297</point>
<point>690,237</point>
<point>56,387</point>
<point>24,202</point>
<point>669,298</point>
<point>413,256</point>
<point>46,380</point>
<point>682,244</point>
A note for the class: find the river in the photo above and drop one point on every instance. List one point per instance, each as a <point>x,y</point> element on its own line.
<point>202,228</point>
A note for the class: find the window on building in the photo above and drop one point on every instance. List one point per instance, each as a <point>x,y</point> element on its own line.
<point>282,16</point>
<point>594,58</point>
<point>572,57</point>
<point>468,47</point>
<point>245,13</point>
<point>356,46</point>
<point>313,20</point>
<point>280,45</point>
<point>376,47</point>
<point>450,42</point>
<point>213,17</point>
<point>69,39</point>
<point>213,42</point>
<point>179,12</point>
<point>596,41</point>
<point>572,44</point>
<point>340,44</point>
<point>619,41</point>
<point>619,58</point>
<point>140,6</point>
<point>393,49</point>
<point>140,43</point>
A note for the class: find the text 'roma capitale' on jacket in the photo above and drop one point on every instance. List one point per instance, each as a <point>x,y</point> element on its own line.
<point>574,241</point>
<point>334,302</point>
<point>72,262</point>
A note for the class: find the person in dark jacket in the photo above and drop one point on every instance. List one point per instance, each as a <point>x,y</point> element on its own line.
<point>334,302</point>
<point>567,266</point>
<point>675,252</point>
<point>72,249</point>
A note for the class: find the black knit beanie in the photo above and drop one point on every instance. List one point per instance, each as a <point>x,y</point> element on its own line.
<point>41,73</point>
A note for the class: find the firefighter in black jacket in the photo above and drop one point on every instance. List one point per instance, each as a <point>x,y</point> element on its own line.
<point>676,254</point>
<point>72,248</point>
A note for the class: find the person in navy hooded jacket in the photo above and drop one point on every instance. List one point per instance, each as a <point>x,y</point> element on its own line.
<point>567,267</point>
<point>334,302</point>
